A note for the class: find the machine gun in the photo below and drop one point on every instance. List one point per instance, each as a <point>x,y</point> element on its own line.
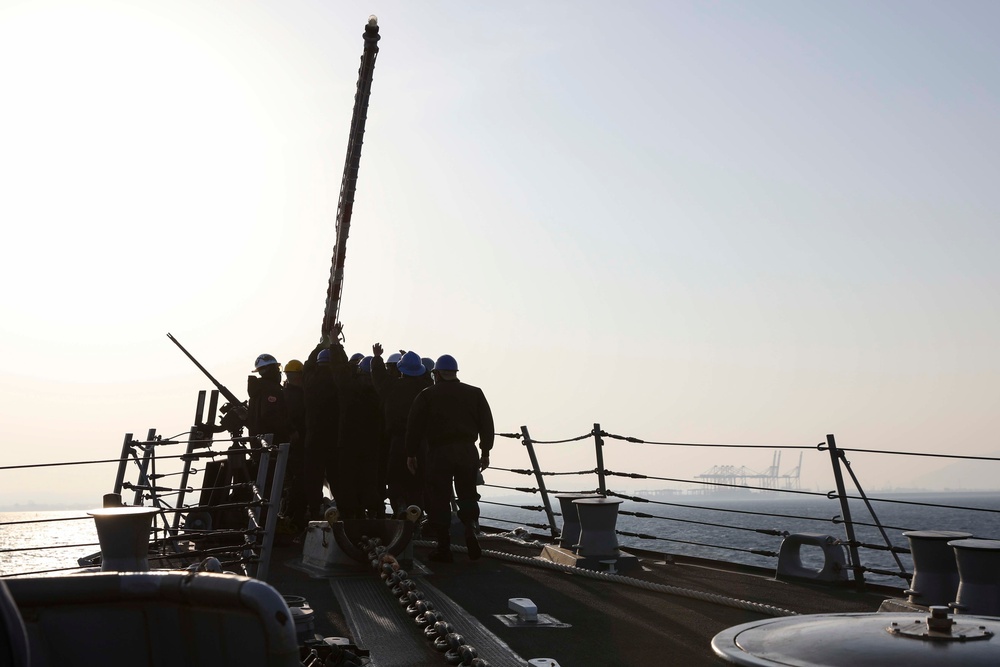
<point>234,413</point>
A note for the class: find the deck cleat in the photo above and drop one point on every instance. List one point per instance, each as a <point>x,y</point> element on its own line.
<point>526,610</point>
<point>526,616</point>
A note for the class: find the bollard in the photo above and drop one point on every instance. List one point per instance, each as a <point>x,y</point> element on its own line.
<point>978,564</point>
<point>124,536</point>
<point>570,534</point>
<point>935,574</point>
<point>598,517</point>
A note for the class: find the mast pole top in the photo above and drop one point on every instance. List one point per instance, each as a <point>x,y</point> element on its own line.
<point>371,30</point>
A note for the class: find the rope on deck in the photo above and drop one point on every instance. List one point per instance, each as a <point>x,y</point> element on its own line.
<point>766,609</point>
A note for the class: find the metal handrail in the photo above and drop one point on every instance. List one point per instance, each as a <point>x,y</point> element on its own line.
<point>841,493</point>
<point>142,460</point>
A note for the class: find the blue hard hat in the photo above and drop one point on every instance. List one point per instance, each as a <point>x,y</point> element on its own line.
<point>446,362</point>
<point>323,357</point>
<point>356,357</point>
<point>263,361</point>
<point>428,363</point>
<point>411,365</point>
<point>366,365</point>
<point>394,358</point>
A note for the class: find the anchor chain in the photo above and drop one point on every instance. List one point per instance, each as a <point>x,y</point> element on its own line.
<point>435,628</point>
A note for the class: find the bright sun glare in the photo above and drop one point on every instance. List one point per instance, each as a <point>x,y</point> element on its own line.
<point>130,134</point>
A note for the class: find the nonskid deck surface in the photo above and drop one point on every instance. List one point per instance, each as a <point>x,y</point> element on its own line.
<point>609,623</point>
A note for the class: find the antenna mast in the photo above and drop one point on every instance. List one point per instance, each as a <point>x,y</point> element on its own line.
<point>349,183</point>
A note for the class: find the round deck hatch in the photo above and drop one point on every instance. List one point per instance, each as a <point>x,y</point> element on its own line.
<point>863,640</point>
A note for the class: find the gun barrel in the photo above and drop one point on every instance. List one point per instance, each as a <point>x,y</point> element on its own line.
<point>230,396</point>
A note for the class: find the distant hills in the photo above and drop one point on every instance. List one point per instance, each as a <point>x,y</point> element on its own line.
<point>963,476</point>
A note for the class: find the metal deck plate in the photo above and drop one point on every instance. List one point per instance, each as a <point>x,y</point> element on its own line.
<point>379,624</point>
<point>544,621</point>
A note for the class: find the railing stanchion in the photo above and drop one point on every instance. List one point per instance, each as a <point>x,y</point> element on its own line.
<point>845,508</point>
<point>186,474</point>
<point>526,441</point>
<point>123,463</point>
<point>602,487</point>
<point>871,511</point>
<point>260,484</point>
<point>213,411</point>
<point>257,514</point>
<point>271,518</point>
<point>143,480</point>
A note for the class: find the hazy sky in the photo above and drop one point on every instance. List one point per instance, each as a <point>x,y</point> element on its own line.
<point>752,222</point>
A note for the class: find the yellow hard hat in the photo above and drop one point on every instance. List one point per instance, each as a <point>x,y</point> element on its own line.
<point>293,366</point>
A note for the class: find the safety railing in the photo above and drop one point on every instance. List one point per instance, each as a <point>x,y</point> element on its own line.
<point>687,517</point>
<point>233,518</point>
<point>237,492</point>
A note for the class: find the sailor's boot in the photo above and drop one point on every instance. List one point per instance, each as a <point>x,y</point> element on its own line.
<point>442,553</point>
<point>472,542</point>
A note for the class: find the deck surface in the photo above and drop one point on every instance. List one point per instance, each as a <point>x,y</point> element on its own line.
<point>608,623</point>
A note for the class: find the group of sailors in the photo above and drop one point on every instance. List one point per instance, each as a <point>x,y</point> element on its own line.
<point>403,428</point>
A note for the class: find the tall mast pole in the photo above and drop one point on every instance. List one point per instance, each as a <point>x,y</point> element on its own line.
<point>349,183</point>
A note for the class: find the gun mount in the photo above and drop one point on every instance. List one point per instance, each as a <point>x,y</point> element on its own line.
<point>234,413</point>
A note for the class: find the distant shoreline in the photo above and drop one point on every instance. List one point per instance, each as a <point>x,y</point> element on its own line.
<point>48,507</point>
<point>722,494</point>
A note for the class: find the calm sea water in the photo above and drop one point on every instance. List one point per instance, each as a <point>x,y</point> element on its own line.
<point>707,526</point>
<point>53,540</point>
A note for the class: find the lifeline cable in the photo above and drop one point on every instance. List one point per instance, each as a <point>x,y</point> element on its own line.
<point>762,531</point>
<point>639,441</point>
<point>835,520</point>
<point>560,442</point>
<point>941,456</point>
<point>638,499</point>
<point>636,475</point>
<point>195,455</point>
